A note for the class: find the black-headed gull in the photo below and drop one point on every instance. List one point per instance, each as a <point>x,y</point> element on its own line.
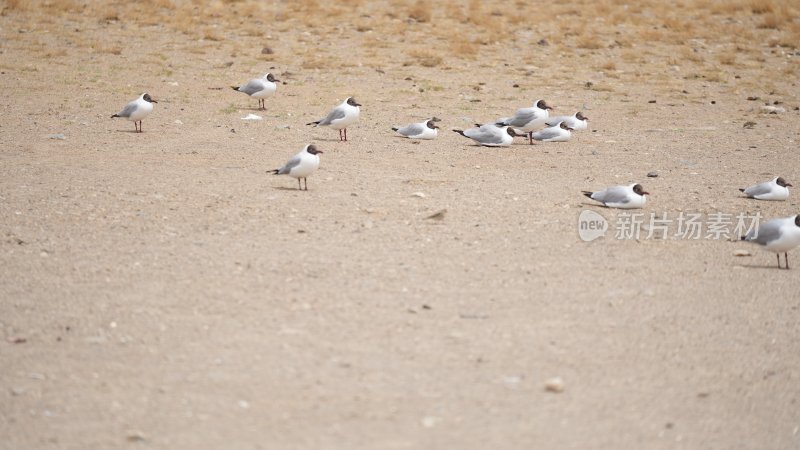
<point>426,129</point>
<point>625,197</point>
<point>559,132</point>
<point>576,121</point>
<point>340,117</point>
<point>301,165</point>
<point>775,189</point>
<point>259,88</point>
<point>137,110</point>
<point>527,120</point>
<point>490,135</point>
<point>777,235</point>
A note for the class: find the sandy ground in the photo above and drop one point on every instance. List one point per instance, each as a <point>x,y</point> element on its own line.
<point>160,290</point>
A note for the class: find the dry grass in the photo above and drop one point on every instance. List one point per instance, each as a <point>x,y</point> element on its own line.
<point>424,58</point>
<point>420,11</point>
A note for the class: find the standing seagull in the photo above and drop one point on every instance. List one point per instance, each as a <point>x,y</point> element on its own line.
<point>576,121</point>
<point>559,132</point>
<point>777,189</point>
<point>343,115</point>
<point>490,135</point>
<point>137,110</point>
<point>777,235</point>
<point>624,197</point>
<point>422,130</point>
<point>301,165</point>
<point>528,119</point>
<point>259,88</point>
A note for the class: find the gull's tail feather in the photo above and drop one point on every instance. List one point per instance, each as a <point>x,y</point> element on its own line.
<point>588,193</point>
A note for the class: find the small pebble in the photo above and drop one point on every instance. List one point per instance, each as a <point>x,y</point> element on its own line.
<point>652,174</point>
<point>555,384</point>
<point>742,253</point>
<point>419,195</point>
<point>58,136</point>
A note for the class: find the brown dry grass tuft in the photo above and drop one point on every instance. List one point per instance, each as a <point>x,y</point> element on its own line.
<point>425,58</point>
<point>420,11</point>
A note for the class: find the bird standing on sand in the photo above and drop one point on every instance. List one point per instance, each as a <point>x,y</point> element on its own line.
<point>623,197</point>
<point>137,110</point>
<point>527,120</point>
<point>775,189</point>
<point>301,165</point>
<point>340,117</point>
<point>259,88</point>
<point>777,235</point>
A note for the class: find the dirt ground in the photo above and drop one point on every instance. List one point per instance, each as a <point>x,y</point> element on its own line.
<point>161,290</point>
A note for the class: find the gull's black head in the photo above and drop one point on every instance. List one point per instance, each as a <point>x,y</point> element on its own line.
<point>311,148</point>
<point>797,220</point>
<point>541,104</point>
<point>271,79</point>
<point>511,132</point>
<point>639,190</point>
<point>352,102</point>
<point>147,98</point>
<point>781,182</point>
<point>564,126</point>
<point>431,125</point>
<point>580,116</point>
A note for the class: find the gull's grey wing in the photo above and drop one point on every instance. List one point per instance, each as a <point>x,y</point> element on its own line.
<point>616,194</point>
<point>252,87</point>
<point>554,120</point>
<point>294,162</point>
<point>767,233</point>
<point>521,118</point>
<point>547,133</point>
<point>337,113</point>
<point>128,110</point>
<point>411,130</point>
<point>484,135</point>
<point>759,189</point>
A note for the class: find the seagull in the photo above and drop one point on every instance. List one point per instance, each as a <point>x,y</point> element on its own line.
<point>490,135</point>
<point>421,130</point>
<point>576,121</point>
<point>777,189</point>
<point>343,115</point>
<point>301,165</point>
<point>777,235</point>
<point>259,88</point>
<point>528,119</point>
<point>624,197</point>
<point>559,132</point>
<point>137,110</point>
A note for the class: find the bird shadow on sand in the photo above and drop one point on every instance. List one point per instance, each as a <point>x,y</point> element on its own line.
<point>762,266</point>
<point>130,131</point>
<point>284,188</point>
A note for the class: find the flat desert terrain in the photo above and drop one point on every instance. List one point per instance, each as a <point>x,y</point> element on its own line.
<point>162,290</point>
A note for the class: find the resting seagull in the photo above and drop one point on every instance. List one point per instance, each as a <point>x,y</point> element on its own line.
<point>776,189</point>
<point>624,197</point>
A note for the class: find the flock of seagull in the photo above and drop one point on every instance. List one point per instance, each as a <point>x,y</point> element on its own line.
<point>777,235</point>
